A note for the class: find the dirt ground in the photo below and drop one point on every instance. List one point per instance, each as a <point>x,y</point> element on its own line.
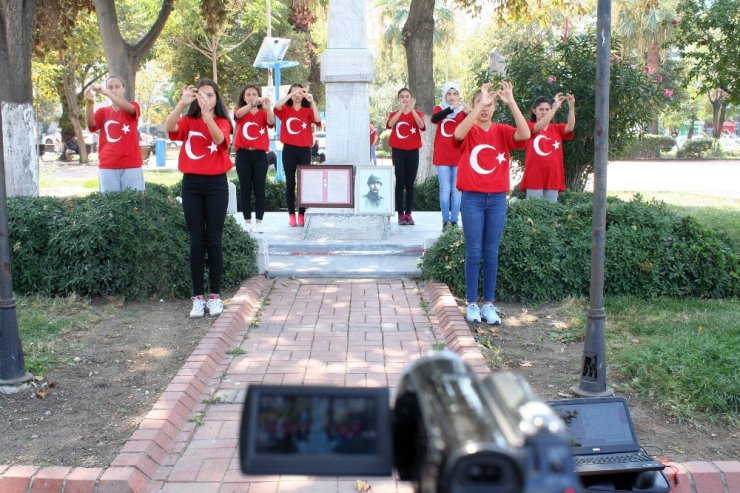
<point>529,347</point>
<point>130,356</point>
<point>97,401</point>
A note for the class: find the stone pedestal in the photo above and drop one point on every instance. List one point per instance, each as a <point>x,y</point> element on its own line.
<point>344,224</point>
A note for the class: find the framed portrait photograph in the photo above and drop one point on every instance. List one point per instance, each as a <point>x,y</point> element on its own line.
<point>374,191</point>
<point>325,186</point>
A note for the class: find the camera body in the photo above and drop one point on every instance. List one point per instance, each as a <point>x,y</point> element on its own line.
<point>449,432</point>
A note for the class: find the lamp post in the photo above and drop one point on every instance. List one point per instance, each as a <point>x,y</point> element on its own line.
<point>13,376</point>
<point>593,369</point>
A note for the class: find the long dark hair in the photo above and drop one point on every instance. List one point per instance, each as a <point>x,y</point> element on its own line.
<point>240,102</point>
<point>220,108</point>
<point>535,104</point>
<point>304,101</point>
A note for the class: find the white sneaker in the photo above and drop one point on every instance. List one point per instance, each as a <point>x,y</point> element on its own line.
<point>249,227</point>
<point>472,314</point>
<point>215,307</point>
<point>490,314</point>
<point>199,308</point>
<point>258,228</point>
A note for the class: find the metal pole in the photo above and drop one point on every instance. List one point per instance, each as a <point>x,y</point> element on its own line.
<point>279,175</point>
<point>269,35</point>
<point>13,376</point>
<point>593,370</point>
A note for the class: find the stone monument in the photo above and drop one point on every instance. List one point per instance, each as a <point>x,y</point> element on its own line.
<point>347,71</point>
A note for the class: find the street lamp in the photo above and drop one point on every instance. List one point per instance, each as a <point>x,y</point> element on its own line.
<point>593,369</point>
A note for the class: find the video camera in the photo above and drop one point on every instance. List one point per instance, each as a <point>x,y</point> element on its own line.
<point>448,431</point>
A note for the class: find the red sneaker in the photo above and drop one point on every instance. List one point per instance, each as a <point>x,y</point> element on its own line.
<point>301,220</point>
<point>409,219</point>
<point>402,219</point>
<point>291,220</point>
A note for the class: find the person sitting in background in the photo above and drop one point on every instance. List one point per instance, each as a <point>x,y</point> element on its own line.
<point>71,147</point>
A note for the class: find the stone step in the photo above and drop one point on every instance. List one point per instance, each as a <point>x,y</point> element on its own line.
<point>344,266</point>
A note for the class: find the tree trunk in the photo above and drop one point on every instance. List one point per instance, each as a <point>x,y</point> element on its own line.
<point>18,122</point>
<point>653,62</point>
<point>69,81</point>
<point>418,37</point>
<point>214,57</point>
<point>576,178</point>
<point>718,98</point>
<point>722,114</point>
<point>692,121</point>
<point>122,58</point>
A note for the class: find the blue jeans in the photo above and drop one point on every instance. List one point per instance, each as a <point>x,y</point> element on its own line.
<point>447,177</point>
<point>484,216</point>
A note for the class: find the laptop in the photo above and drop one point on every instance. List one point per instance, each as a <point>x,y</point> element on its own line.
<point>602,437</point>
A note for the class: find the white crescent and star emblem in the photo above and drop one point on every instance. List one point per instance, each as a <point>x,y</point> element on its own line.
<point>398,130</point>
<point>442,127</point>
<point>290,130</point>
<point>538,149</point>
<point>474,159</point>
<point>188,147</point>
<point>245,131</point>
<point>107,131</point>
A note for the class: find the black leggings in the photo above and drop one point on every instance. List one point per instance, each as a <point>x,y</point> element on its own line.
<point>204,201</point>
<point>405,166</point>
<point>292,157</point>
<point>251,166</point>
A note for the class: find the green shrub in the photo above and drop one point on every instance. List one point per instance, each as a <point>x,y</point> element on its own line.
<point>545,253</point>
<point>274,196</point>
<point>649,146</point>
<point>695,148</point>
<point>426,195</point>
<point>128,244</point>
<point>383,140</point>
<point>31,222</point>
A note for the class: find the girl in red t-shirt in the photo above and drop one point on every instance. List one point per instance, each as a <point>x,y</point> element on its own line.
<point>483,178</point>
<point>205,131</point>
<point>119,153</point>
<point>543,160</point>
<point>406,124</point>
<point>253,116</point>
<point>447,115</point>
<point>297,112</point>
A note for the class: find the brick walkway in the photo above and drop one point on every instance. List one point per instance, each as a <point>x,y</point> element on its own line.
<point>353,333</point>
<point>346,332</point>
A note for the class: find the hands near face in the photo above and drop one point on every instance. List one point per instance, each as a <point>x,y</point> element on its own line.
<point>189,94</point>
<point>90,93</point>
<point>571,100</point>
<point>488,95</point>
<point>506,92</point>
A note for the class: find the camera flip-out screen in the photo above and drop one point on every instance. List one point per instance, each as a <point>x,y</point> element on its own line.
<point>322,431</point>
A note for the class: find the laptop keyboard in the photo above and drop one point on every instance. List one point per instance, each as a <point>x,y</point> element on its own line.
<point>611,458</point>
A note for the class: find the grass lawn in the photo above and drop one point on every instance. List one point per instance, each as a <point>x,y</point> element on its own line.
<point>43,323</point>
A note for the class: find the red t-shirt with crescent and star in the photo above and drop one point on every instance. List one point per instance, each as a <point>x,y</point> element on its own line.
<point>484,159</point>
<point>405,134</point>
<point>119,137</point>
<point>446,153</point>
<point>251,131</point>
<point>295,125</point>
<point>199,154</point>
<point>543,159</point>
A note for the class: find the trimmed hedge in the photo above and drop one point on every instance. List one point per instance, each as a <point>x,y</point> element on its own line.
<point>649,146</point>
<point>695,148</point>
<point>128,244</point>
<point>545,253</point>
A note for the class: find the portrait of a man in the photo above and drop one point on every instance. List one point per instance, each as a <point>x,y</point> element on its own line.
<point>373,199</point>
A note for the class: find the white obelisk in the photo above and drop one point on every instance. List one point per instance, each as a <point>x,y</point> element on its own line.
<point>347,71</point>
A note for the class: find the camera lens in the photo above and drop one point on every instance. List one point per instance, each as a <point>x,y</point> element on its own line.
<point>488,473</point>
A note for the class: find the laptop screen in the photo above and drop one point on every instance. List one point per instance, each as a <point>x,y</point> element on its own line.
<point>597,425</point>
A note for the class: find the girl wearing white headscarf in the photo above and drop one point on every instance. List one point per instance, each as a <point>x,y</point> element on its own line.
<point>447,115</point>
